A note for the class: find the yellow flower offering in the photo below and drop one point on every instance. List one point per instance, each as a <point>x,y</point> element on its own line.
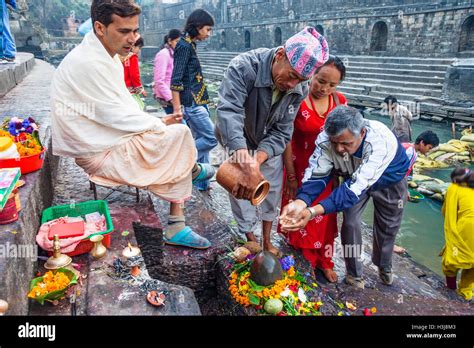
<point>51,282</point>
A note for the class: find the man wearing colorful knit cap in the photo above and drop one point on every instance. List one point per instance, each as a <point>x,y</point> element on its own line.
<point>258,100</point>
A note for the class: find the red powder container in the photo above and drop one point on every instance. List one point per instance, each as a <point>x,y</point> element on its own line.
<point>9,213</point>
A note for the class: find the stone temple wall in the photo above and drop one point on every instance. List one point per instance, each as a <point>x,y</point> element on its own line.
<point>354,27</point>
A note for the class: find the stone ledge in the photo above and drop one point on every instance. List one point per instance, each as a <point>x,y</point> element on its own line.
<point>36,195</point>
<point>12,74</point>
<point>101,294</point>
<point>106,296</point>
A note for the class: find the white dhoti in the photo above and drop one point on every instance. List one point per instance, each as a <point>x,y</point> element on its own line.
<point>159,162</point>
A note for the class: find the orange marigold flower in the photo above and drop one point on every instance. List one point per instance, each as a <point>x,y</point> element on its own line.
<point>51,282</point>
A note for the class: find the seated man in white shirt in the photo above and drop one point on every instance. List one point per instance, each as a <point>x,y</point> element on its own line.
<point>96,121</point>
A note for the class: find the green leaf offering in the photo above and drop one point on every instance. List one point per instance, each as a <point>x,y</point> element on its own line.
<point>255,286</point>
<point>254,299</point>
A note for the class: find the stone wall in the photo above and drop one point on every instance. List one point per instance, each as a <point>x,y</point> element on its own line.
<point>413,27</point>
<point>459,83</point>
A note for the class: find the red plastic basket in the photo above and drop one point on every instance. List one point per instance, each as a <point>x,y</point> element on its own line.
<point>27,164</point>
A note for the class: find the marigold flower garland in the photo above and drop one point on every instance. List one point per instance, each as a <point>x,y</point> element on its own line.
<point>291,290</point>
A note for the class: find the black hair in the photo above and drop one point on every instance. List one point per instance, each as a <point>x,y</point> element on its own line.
<point>338,64</point>
<point>390,100</point>
<point>173,34</point>
<point>103,10</point>
<point>463,176</point>
<point>428,137</point>
<point>196,20</point>
<point>139,43</point>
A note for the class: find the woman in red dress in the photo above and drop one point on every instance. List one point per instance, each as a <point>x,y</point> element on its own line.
<point>316,240</point>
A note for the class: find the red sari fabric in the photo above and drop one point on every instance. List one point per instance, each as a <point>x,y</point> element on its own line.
<point>316,240</point>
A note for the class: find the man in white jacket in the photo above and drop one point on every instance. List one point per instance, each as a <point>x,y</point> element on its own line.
<point>374,165</point>
<point>96,121</point>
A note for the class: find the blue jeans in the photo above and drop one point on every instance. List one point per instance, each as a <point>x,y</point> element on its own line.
<point>198,119</point>
<point>7,43</point>
<point>168,109</point>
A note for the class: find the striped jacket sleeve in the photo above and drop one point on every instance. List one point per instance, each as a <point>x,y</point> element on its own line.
<point>182,53</point>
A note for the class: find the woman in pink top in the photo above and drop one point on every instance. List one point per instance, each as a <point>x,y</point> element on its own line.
<point>164,69</point>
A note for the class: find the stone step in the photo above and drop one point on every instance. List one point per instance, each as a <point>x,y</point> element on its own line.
<point>438,62</point>
<point>397,77</point>
<point>397,69</point>
<point>367,100</point>
<point>106,296</point>
<point>350,89</point>
<point>387,88</point>
<point>380,95</point>
<point>216,57</point>
<point>103,294</point>
<point>214,68</point>
<point>12,74</point>
<point>400,60</point>
<point>16,271</point>
<point>214,63</point>
<point>408,66</point>
<point>213,74</point>
<point>403,84</point>
<point>401,71</point>
<point>29,98</point>
<point>218,53</point>
<point>427,107</point>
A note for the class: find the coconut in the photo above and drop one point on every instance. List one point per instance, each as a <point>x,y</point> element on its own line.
<point>254,247</point>
<point>273,306</point>
<point>240,254</point>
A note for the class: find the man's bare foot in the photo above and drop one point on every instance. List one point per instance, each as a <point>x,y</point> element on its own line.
<point>251,237</point>
<point>330,275</point>
<point>269,247</point>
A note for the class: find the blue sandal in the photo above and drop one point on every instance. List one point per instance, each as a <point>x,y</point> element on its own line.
<point>207,172</point>
<point>186,237</point>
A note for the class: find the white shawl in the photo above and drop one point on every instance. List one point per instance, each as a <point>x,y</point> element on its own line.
<point>92,109</point>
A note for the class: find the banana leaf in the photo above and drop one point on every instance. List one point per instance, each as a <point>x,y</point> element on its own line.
<point>36,136</point>
<point>54,295</point>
